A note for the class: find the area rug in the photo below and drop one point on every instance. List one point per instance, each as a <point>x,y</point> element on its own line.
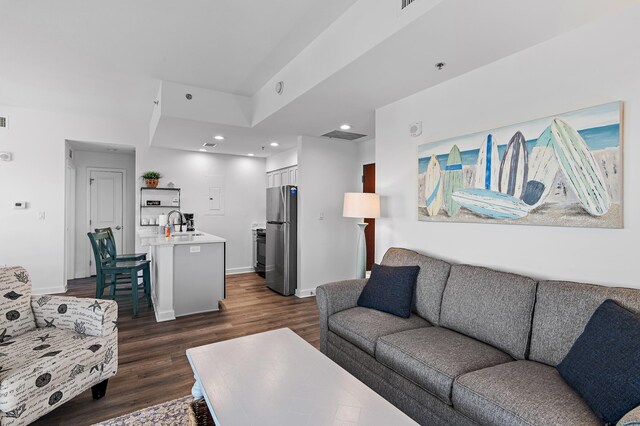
<point>170,413</point>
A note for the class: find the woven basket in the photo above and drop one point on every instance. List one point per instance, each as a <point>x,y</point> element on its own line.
<point>199,414</point>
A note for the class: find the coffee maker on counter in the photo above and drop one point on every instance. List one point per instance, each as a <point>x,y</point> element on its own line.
<point>188,217</point>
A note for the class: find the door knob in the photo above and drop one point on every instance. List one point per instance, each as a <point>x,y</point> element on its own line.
<point>118,227</point>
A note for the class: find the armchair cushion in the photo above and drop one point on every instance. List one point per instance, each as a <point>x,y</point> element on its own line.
<point>15,309</point>
<point>84,316</point>
<point>51,362</point>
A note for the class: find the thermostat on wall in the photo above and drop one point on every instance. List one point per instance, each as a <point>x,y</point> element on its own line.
<point>19,204</point>
<point>415,129</point>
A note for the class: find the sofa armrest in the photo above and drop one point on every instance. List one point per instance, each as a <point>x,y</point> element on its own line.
<point>336,297</point>
<point>85,316</point>
<point>632,418</point>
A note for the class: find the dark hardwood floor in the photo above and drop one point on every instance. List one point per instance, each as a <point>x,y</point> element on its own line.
<point>153,367</point>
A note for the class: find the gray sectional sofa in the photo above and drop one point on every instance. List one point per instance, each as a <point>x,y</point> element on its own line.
<point>480,347</point>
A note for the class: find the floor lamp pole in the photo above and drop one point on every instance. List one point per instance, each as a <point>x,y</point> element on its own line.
<point>361,255</point>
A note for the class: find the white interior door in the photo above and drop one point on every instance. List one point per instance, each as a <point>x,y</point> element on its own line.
<point>106,206</point>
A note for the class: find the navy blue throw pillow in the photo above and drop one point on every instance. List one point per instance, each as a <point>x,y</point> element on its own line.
<point>390,289</point>
<point>603,365</point>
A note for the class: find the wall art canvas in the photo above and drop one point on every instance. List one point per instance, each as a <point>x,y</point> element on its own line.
<point>563,170</point>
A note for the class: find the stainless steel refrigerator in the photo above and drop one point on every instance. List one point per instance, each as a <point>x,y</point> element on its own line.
<point>282,239</point>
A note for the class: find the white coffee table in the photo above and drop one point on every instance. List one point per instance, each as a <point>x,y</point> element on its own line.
<point>277,378</point>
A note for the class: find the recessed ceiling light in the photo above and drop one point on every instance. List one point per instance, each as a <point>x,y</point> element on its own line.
<point>251,154</point>
<point>202,150</point>
<point>219,137</point>
<point>345,127</point>
<point>274,144</point>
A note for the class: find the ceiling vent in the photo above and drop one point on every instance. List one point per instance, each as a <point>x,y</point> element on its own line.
<point>3,122</point>
<point>210,145</point>
<point>406,3</point>
<point>340,134</point>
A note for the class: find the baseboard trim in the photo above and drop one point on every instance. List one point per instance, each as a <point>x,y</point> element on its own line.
<point>164,315</point>
<point>311,292</point>
<point>242,270</point>
<point>49,290</point>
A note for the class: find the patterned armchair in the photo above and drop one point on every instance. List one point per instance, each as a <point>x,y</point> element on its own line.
<point>52,348</point>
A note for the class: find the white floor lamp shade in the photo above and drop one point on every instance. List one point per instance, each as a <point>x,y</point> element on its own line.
<point>363,206</point>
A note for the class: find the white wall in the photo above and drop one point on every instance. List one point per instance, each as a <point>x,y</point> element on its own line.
<point>366,151</point>
<point>282,160</point>
<point>245,194</point>
<point>37,176</point>
<point>590,66</point>
<point>327,168</point>
<point>87,159</point>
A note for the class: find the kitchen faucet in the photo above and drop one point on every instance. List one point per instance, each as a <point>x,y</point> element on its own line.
<point>181,218</point>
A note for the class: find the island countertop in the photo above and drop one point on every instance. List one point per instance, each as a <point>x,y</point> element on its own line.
<point>197,237</point>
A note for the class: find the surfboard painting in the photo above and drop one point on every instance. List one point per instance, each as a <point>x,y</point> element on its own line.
<point>453,181</point>
<point>561,170</point>
<point>543,170</point>
<point>514,168</point>
<point>488,165</point>
<point>580,168</point>
<point>433,187</point>
<point>491,203</point>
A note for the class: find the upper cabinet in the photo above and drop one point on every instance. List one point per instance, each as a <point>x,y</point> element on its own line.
<point>286,176</point>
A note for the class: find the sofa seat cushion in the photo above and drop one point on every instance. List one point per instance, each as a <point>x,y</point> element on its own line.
<point>363,326</point>
<point>520,393</point>
<point>45,358</point>
<point>433,357</point>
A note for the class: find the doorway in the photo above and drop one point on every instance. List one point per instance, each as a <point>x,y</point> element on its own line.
<point>369,185</point>
<point>103,194</point>
<point>106,204</point>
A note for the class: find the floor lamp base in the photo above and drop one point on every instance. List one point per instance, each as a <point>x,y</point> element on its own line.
<point>361,254</point>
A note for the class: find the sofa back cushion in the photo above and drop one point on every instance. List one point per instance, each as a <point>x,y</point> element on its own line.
<point>562,311</point>
<point>491,306</point>
<point>16,316</point>
<point>430,283</point>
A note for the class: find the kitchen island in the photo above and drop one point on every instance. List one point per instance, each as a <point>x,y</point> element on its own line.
<point>187,272</point>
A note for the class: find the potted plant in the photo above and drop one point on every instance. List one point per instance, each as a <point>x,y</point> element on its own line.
<point>151,179</point>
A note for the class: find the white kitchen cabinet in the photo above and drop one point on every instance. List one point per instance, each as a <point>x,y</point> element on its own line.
<point>293,175</point>
<point>286,176</point>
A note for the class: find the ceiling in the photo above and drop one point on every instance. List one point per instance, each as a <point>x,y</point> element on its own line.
<point>111,57</point>
<point>101,147</point>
